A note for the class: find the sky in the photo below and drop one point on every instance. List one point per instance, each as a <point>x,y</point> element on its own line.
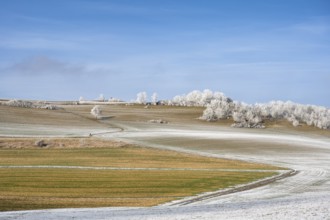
<point>253,51</point>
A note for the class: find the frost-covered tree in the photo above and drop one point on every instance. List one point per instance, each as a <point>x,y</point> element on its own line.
<point>154,98</point>
<point>206,97</point>
<point>194,98</point>
<point>29,104</point>
<point>217,109</point>
<point>246,116</point>
<point>295,113</point>
<point>218,106</point>
<point>141,97</point>
<point>96,111</point>
<point>20,103</point>
<point>81,99</point>
<point>101,98</point>
<point>198,98</point>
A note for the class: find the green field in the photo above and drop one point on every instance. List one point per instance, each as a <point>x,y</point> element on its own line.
<point>58,188</point>
<point>40,188</point>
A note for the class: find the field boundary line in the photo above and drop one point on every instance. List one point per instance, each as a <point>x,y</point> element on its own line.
<point>236,189</point>
<point>132,168</point>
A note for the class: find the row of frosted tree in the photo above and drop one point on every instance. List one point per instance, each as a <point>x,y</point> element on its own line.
<point>218,107</point>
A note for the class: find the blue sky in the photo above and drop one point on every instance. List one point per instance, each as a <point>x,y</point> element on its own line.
<point>253,51</point>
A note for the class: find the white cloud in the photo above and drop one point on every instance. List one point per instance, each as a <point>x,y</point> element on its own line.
<point>43,65</point>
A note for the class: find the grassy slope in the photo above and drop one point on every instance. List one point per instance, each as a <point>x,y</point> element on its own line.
<point>56,188</point>
<point>111,154</point>
<point>33,188</point>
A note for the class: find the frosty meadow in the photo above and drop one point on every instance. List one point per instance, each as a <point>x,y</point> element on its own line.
<point>186,156</point>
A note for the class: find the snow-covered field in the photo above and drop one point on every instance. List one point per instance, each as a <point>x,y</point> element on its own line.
<point>27,130</point>
<point>303,196</point>
<point>306,206</point>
